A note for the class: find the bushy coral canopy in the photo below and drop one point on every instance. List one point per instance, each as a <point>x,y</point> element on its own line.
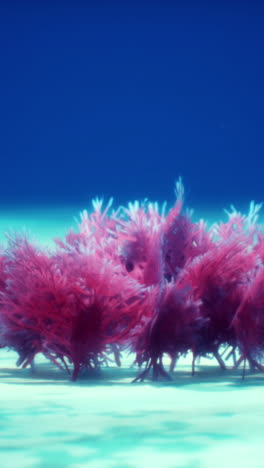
<point>138,278</point>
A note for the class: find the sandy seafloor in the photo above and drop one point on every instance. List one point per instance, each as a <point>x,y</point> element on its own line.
<point>214,419</point>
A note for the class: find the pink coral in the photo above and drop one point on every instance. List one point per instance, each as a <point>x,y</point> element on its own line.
<point>140,279</point>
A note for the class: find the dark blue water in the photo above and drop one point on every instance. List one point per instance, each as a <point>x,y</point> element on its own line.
<point>120,98</point>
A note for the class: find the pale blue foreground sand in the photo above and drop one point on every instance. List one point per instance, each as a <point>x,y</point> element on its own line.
<point>214,419</point>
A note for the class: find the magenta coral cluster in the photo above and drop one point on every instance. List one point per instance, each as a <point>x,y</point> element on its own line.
<point>139,279</point>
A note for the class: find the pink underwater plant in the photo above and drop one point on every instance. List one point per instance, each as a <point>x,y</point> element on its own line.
<point>68,305</point>
<point>248,322</point>
<point>216,279</point>
<point>137,278</point>
<point>171,329</point>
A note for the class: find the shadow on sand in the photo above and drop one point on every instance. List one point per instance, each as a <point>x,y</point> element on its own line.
<point>47,373</point>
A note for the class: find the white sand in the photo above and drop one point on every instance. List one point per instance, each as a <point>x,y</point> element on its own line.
<point>214,419</point>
